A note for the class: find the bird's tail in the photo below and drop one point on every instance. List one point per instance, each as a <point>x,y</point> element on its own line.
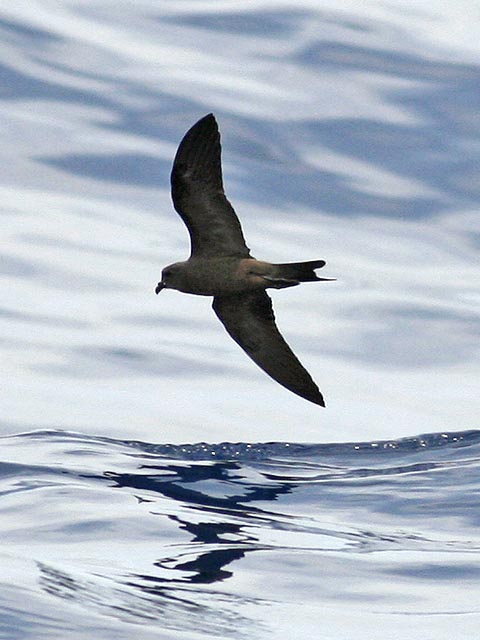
<point>300,271</point>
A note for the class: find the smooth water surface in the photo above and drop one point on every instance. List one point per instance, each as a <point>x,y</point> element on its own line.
<point>351,133</point>
<point>126,539</point>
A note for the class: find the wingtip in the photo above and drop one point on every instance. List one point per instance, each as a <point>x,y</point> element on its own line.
<point>204,128</point>
<point>319,400</point>
<point>208,119</point>
<point>313,395</point>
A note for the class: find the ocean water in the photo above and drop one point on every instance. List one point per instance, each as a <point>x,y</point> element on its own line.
<point>154,483</point>
<point>118,539</point>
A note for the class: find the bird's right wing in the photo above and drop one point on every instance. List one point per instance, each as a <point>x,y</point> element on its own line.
<point>198,195</point>
<point>250,321</point>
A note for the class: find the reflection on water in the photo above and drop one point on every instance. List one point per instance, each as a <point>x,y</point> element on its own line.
<point>194,529</point>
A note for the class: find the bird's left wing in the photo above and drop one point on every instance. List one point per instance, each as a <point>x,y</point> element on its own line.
<point>198,195</point>
<point>250,321</point>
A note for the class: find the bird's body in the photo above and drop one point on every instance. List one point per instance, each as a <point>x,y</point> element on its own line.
<point>212,276</point>
<point>220,264</point>
<point>227,276</point>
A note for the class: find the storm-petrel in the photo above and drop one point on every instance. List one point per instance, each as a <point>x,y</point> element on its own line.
<point>220,263</point>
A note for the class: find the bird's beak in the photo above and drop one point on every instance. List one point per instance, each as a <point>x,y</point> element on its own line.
<point>159,287</point>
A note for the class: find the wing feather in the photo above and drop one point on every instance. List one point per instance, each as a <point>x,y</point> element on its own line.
<point>250,321</point>
<point>198,195</point>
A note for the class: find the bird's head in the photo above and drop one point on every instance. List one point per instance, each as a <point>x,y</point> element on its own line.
<point>171,277</point>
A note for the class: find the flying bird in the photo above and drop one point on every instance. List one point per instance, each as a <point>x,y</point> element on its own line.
<point>220,263</point>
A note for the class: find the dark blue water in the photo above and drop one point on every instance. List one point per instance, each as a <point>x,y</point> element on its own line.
<point>350,133</point>
<point>230,538</point>
<point>217,538</point>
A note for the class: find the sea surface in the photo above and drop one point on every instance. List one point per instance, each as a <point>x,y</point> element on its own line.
<point>154,483</point>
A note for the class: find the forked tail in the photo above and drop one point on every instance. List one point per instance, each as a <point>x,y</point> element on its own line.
<point>300,271</point>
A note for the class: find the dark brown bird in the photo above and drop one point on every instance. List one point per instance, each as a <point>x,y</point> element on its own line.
<point>220,263</point>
